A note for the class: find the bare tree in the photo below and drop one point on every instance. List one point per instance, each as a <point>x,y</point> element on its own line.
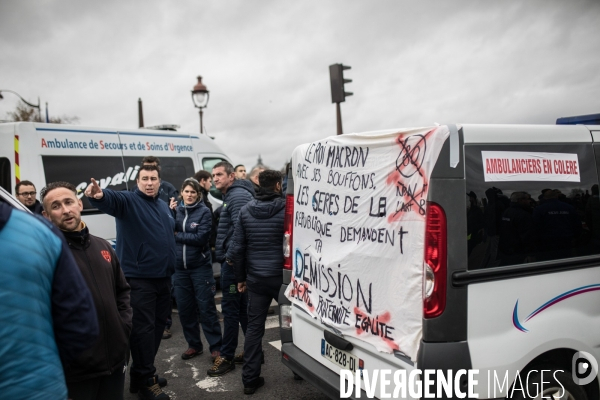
<point>25,113</point>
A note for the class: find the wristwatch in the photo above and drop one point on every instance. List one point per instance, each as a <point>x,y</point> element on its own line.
<point>228,261</point>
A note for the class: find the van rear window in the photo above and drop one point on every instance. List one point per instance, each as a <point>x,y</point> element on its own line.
<point>530,203</point>
<point>114,173</point>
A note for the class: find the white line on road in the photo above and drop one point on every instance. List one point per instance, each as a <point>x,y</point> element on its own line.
<point>211,385</point>
<point>272,322</point>
<point>276,344</point>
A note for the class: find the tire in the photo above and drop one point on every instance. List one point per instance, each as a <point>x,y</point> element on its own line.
<point>557,385</point>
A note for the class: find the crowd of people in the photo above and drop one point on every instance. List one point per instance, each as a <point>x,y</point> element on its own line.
<point>87,309</point>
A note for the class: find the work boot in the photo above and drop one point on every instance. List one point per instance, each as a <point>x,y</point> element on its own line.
<point>191,353</point>
<point>251,389</point>
<point>221,367</point>
<point>214,355</point>
<point>134,385</point>
<point>152,390</point>
<point>239,359</point>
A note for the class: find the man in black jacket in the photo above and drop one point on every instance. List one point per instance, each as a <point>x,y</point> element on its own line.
<point>256,251</point>
<point>99,372</point>
<point>236,193</point>
<point>25,191</point>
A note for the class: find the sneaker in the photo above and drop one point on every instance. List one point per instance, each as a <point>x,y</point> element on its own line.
<point>258,382</point>
<point>152,390</point>
<point>191,353</point>
<point>221,367</point>
<point>214,355</point>
<point>167,334</point>
<point>134,385</point>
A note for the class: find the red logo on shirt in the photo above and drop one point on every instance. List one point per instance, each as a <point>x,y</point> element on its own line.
<point>106,255</point>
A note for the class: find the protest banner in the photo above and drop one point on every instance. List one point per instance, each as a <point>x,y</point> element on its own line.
<point>359,225</point>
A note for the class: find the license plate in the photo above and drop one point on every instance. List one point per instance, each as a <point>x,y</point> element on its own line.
<point>341,358</point>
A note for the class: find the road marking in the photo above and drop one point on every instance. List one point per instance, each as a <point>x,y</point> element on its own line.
<point>211,385</point>
<point>272,322</point>
<point>170,359</point>
<point>276,344</point>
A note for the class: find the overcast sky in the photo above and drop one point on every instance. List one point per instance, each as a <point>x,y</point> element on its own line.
<point>265,63</point>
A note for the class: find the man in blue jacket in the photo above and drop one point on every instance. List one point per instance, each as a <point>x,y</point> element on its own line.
<point>146,249</point>
<point>236,193</point>
<point>47,315</point>
<point>257,253</point>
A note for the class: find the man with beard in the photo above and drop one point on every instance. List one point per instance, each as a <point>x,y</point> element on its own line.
<point>99,372</point>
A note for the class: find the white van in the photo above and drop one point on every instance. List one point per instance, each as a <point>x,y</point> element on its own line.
<point>515,292</point>
<point>43,153</point>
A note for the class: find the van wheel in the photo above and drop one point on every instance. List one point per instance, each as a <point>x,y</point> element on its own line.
<point>558,385</point>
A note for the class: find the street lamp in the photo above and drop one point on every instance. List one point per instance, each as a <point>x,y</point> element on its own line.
<point>200,98</point>
<point>24,101</point>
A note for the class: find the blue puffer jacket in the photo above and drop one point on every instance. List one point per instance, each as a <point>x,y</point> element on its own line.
<point>192,232</point>
<point>257,245</point>
<point>46,309</point>
<point>237,196</point>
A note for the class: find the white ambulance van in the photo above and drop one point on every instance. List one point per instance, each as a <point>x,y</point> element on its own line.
<point>511,271</point>
<point>43,153</point>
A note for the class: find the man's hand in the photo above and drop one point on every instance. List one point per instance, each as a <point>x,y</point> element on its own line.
<point>242,287</point>
<point>94,191</point>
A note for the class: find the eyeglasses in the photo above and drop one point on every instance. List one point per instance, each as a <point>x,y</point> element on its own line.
<point>27,194</point>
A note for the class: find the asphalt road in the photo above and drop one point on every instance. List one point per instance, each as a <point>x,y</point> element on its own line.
<point>187,379</point>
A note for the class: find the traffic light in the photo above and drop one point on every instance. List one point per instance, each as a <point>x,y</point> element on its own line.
<point>336,75</point>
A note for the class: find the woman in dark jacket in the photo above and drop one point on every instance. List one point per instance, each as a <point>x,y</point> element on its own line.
<point>193,279</point>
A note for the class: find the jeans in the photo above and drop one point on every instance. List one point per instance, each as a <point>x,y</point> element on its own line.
<point>260,294</point>
<point>150,301</point>
<point>235,311</point>
<point>195,293</point>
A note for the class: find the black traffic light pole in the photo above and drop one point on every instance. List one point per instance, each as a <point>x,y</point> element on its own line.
<point>338,95</point>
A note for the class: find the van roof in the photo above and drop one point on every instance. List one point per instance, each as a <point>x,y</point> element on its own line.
<point>474,133</point>
<point>521,133</point>
<point>87,129</point>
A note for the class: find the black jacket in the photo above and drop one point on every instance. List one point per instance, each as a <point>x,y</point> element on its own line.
<point>36,208</point>
<point>192,232</point>
<point>101,271</point>
<point>238,194</point>
<point>257,245</point>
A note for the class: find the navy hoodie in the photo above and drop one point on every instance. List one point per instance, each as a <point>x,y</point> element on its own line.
<point>145,232</point>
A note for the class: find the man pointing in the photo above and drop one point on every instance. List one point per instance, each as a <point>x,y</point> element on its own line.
<point>146,248</point>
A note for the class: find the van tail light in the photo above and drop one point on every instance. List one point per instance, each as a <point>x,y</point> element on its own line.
<point>435,260</point>
<point>288,232</point>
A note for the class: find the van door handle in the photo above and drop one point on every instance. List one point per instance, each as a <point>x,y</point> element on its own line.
<point>337,341</point>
